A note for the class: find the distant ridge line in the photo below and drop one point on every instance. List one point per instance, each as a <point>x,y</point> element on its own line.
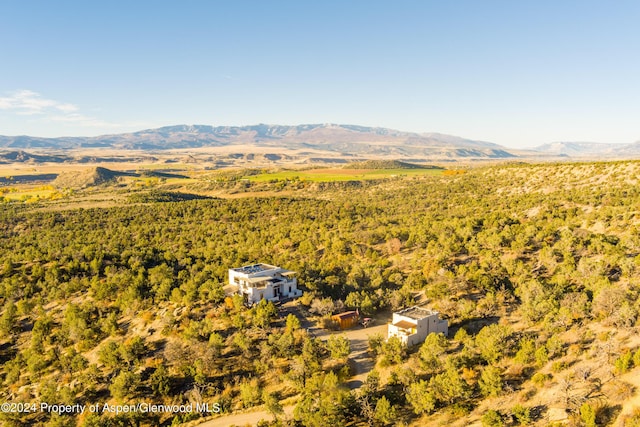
<point>341,139</point>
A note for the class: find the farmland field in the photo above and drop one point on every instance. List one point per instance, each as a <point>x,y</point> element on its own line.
<point>334,174</point>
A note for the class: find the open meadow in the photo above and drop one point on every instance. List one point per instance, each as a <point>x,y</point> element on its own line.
<point>339,174</point>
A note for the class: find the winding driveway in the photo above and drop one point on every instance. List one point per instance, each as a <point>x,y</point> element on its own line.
<point>363,363</point>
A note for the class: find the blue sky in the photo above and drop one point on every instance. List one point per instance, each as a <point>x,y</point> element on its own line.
<point>518,73</point>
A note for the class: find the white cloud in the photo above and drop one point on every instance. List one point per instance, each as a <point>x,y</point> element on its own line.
<point>30,103</point>
<point>67,108</point>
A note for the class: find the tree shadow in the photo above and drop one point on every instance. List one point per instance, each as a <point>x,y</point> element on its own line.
<point>537,412</point>
<point>7,352</point>
<point>608,414</point>
<point>473,325</point>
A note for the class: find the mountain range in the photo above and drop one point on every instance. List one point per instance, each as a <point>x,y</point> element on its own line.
<point>332,139</point>
<point>343,139</point>
<point>590,149</point>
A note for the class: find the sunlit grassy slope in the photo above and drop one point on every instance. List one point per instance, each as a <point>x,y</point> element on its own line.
<point>328,175</point>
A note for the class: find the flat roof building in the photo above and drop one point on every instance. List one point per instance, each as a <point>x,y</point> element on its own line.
<point>413,324</point>
<point>263,281</point>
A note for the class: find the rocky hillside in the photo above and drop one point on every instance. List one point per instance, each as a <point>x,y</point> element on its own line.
<point>87,178</point>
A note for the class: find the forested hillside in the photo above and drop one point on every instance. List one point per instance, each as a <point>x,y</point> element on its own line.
<point>536,268</point>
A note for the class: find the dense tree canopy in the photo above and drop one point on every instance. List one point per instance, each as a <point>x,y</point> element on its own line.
<point>554,245</point>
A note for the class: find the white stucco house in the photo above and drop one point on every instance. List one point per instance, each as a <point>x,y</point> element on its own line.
<point>263,281</point>
<point>413,324</point>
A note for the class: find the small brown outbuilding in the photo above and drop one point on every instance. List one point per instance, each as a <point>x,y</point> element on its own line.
<point>346,320</point>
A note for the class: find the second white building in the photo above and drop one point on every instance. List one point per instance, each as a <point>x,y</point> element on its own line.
<point>413,324</point>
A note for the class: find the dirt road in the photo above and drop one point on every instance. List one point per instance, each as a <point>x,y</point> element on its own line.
<point>363,363</point>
